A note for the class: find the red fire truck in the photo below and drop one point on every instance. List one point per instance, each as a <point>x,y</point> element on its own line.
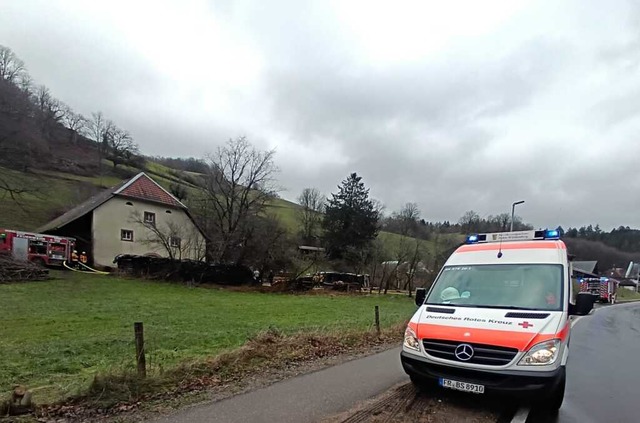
<point>47,250</point>
<point>605,289</point>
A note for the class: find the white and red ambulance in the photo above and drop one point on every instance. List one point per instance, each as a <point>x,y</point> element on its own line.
<point>497,318</point>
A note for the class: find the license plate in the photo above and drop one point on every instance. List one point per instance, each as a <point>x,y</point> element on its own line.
<point>462,386</point>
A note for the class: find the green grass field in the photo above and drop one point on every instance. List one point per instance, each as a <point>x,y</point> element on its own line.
<point>626,294</point>
<point>55,336</point>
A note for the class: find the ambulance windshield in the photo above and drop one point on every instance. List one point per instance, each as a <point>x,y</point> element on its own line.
<point>513,286</point>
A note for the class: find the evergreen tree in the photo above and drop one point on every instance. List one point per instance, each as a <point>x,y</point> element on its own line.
<point>350,220</point>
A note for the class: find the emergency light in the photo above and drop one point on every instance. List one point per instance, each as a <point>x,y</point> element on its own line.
<point>514,236</point>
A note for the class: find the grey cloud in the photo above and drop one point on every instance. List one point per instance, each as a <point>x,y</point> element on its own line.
<point>440,95</point>
<point>471,127</point>
<point>413,133</point>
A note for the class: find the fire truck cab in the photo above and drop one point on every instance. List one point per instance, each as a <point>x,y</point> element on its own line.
<point>46,250</point>
<point>603,289</point>
<point>497,319</point>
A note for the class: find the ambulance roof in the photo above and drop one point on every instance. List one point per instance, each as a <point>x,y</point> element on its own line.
<point>511,247</point>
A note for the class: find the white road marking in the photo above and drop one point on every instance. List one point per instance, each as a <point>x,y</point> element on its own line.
<point>575,320</point>
<point>521,415</point>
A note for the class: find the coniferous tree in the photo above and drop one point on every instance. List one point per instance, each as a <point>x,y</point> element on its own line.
<point>351,220</point>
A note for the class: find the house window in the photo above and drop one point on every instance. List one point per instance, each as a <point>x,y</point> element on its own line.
<point>175,242</point>
<point>150,218</point>
<point>168,211</point>
<point>129,203</point>
<point>126,235</point>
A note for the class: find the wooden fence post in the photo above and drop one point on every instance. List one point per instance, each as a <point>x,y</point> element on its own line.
<point>140,358</point>
<point>378,321</point>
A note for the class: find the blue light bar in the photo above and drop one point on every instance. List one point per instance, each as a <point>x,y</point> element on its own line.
<point>472,239</point>
<point>551,234</point>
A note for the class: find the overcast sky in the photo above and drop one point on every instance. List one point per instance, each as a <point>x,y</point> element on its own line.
<point>452,105</point>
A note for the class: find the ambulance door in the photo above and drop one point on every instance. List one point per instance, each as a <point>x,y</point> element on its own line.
<point>20,248</point>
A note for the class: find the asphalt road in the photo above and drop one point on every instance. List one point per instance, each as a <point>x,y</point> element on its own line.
<point>305,398</point>
<point>603,372</point>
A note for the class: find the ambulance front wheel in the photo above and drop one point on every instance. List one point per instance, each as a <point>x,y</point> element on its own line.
<point>553,402</point>
<point>417,382</point>
<point>423,385</point>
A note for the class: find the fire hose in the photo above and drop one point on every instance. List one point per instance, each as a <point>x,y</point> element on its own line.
<point>89,271</point>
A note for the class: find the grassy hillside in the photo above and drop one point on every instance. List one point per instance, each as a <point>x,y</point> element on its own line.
<point>53,192</point>
<point>48,196</point>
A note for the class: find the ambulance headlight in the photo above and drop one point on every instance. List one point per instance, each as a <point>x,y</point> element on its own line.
<point>411,340</point>
<point>542,354</point>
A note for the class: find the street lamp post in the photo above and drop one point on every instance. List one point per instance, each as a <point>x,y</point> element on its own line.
<point>513,210</point>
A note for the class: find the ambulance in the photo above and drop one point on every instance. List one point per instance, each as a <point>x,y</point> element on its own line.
<point>497,319</point>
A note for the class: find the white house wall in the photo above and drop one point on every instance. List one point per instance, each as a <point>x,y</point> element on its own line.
<point>114,215</point>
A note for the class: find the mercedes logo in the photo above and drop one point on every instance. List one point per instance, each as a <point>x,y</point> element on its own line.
<point>464,352</point>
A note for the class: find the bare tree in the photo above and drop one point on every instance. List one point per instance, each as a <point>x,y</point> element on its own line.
<point>50,110</point>
<point>25,83</point>
<point>469,221</point>
<point>178,241</point>
<point>114,143</point>
<point>120,144</point>
<point>265,244</point>
<point>311,201</point>
<point>238,186</point>
<point>379,208</point>
<point>12,69</point>
<point>13,186</point>
<point>414,261</point>
<point>443,244</point>
<point>9,188</point>
<point>179,191</point>
<point>503,220</point>
<point>96,126</point>
<point>74,122</point>
<point>107,133</point>
<point>408,219</point>
<point>378,255</point>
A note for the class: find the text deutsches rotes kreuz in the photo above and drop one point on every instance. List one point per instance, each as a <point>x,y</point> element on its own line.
<point>468,319</point>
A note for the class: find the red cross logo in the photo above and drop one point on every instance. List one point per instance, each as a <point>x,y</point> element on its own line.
<point>526,325</point>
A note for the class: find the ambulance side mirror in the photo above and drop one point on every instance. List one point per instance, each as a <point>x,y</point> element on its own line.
<point>421,294</point>
<point>583,305</point>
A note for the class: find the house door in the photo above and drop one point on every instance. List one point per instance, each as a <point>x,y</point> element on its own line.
<point>20,248</point>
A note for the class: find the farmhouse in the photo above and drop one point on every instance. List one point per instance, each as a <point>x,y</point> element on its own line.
<point>137,216</point>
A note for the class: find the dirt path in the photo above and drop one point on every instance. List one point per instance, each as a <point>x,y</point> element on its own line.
<point>404,404</point>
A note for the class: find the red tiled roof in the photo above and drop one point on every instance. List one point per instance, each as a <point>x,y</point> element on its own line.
<point>145,188</point>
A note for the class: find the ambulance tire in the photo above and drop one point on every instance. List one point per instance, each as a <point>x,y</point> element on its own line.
<point>423,385</point>
<point>417,382</point>
<point>553,402</point>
